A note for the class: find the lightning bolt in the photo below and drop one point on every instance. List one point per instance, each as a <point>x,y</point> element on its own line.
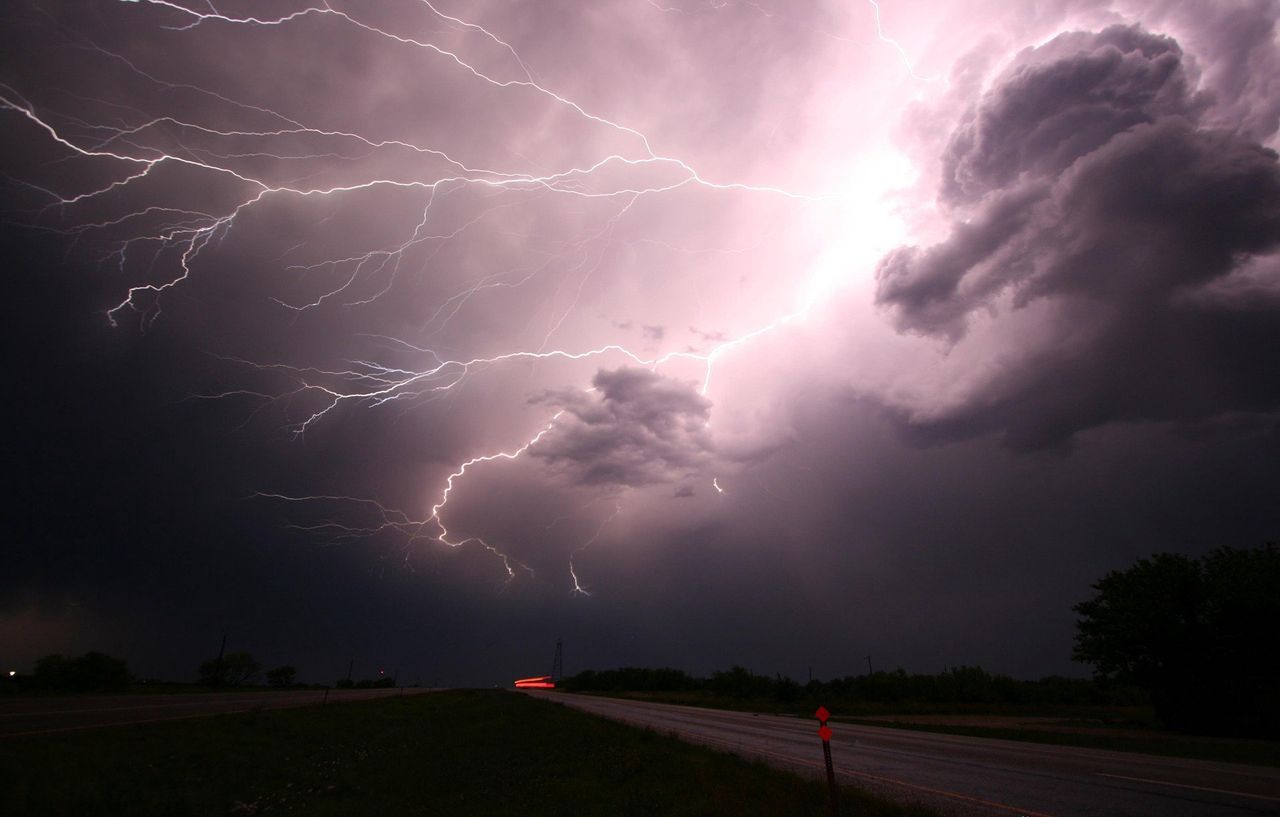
<point>897,46</point>
<point>138,146</point>
<point>578,589</point>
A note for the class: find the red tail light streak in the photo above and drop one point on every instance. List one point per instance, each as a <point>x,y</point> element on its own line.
<point>539,682</point>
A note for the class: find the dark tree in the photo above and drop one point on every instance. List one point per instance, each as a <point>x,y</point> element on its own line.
<point>237,668</point>
<point>281,676</point>
<point>1196,634</point>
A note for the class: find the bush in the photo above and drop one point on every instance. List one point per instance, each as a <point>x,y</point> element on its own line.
<point>235,669</point>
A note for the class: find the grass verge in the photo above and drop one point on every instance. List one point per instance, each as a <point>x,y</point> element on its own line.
<point>463,752</point>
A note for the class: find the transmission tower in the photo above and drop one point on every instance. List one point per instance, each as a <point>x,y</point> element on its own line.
<point>557,666</point>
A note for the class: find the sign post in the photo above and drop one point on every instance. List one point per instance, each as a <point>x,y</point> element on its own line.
<point>824,732</point>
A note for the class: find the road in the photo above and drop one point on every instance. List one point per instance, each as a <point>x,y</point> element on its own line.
<point>968,776</point>
<point>37,716</point>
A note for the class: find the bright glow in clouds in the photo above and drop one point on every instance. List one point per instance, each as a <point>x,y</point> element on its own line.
<point>600,257</point>
<point>862,229</point>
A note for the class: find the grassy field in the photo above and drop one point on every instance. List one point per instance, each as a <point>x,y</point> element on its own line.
<point>447,753</point>
<point>1130,729</point>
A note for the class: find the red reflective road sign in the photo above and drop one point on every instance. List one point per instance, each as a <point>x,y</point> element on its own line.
<point>824,732</point>
<point>822,714</point>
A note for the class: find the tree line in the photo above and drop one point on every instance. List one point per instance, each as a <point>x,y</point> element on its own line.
<point>957,685</point>
<point>98,672</point>
<point>1194,637</point>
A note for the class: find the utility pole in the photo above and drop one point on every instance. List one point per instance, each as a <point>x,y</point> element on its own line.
<point>217,670</point>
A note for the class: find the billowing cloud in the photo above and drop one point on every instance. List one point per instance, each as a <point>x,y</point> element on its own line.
<point>1093,181</point>
<point>1060,102</point>
<point>635,427</point>
<point>461,216</point>
<point>1241,64</point>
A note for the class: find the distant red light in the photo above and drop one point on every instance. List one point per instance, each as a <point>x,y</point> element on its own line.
<point>538,682</point>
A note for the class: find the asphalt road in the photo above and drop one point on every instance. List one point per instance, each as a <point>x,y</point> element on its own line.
<point>36,716</point>
<point>968,776</point>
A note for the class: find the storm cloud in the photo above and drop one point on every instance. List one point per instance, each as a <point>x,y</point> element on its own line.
<point>633,428</point>
<point>1092,181</point>
<point>802,331</point>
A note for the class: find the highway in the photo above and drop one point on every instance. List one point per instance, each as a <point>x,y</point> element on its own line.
<point>37,716</point>
<point>967,776</point>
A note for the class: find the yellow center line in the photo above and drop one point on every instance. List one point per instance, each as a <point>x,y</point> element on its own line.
<point>1188,786</point>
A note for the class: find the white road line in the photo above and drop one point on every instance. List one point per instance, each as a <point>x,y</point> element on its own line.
<point>1187,786</point>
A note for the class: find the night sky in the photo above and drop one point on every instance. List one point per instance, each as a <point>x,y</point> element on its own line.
<point>695,334</point>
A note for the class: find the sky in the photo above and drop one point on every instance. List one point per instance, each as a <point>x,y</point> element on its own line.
<point>421,334</point>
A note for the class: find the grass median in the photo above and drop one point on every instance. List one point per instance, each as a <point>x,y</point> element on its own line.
<point>446,753</point>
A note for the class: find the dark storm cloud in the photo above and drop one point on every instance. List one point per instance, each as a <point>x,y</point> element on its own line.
<point>1061,102</point>
<point>827,540</point>
<point>634,428</point>
<point>1241,62</point>
<point>1092,181</point>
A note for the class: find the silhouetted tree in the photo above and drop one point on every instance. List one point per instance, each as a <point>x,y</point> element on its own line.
<point>237,668</point>
<point>1196,633</point>
<point>281,676</point>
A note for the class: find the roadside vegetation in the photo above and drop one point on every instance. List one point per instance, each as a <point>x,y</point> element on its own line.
<point>1198,635</point>
<point>96,672</point>
<point>970,688</point>
<point>1182,657</point>
<point>463,752</point>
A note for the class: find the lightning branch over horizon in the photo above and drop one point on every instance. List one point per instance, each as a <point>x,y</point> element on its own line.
<point>578,589</point>
<point>137,147</point>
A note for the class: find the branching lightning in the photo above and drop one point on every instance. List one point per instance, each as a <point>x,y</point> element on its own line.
<point>578,589</point>
<point>897,46</point>
<point>133,143</point>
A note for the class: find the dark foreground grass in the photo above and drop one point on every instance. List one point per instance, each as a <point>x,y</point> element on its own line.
<point>447,753</point>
